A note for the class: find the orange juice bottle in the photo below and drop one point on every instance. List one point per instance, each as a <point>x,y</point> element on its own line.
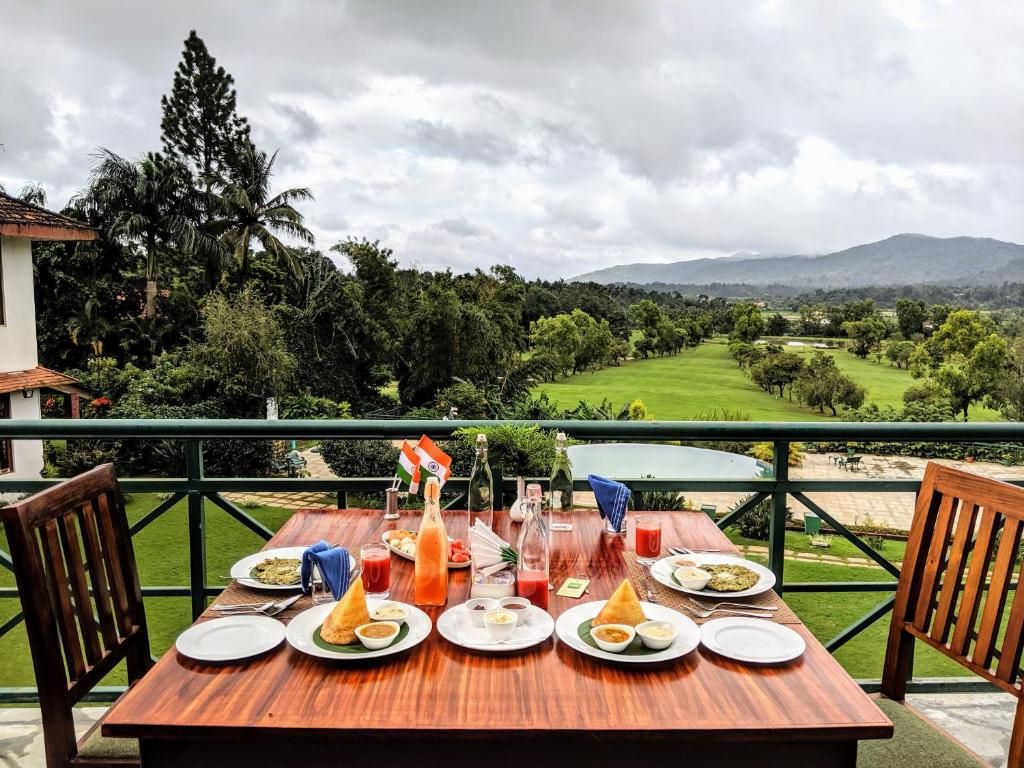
<point>432,550</point>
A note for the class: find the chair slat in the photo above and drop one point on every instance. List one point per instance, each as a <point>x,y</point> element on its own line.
<point>976,574</point>
<point>98,576</point>
<point>995,602</point>
<point>935,558</point>
<point>82,603</point>
<point>58,582</point>
<point>111,561</point>
<point>1013,640</point>
<point>955,568</point>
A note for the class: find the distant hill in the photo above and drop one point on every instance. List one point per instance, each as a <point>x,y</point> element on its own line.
<point>898,260</point>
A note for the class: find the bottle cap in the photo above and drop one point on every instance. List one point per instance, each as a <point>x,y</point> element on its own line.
<point>432,490</point>
<point>533,491</point>
<point>481,439</point>
<point>560,436</point>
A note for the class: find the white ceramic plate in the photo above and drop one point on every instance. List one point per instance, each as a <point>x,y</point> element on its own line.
<point>455,627</point>
<point>407,556</point>
<point>240,571</point>
<point>569,622</point>
<point>301,628</point>
<point>231,638</point>
<point>754,641</point>
<point>664,568</point>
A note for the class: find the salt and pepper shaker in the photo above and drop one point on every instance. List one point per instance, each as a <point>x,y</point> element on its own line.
<point>391,504</point>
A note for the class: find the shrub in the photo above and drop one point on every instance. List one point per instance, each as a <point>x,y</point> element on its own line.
<point>659,501</point>
<point>310,407</point>
<point>756,523</point>
<point>360,458</point>
<point>765,452</point>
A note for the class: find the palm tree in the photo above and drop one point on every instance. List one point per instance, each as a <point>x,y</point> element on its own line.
<point>249,211</point>
<point>148,203</point>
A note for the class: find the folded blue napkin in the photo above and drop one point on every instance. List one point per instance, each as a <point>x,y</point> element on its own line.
<point>333,564</point>
<point>612,499</point>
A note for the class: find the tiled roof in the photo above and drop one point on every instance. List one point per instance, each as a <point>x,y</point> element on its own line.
<point>21,219</point>
<point>35,378</point>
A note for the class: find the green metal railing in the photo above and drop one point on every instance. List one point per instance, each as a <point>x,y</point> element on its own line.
<point>197,488</point>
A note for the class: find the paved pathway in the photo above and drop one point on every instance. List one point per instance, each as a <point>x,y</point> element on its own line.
<point>981,721</point>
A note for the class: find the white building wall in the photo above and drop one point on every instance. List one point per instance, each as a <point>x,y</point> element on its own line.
<point>18,351</point>
<point>28,454</point>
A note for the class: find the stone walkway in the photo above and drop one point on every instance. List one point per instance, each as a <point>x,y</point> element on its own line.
<point>980,721</point>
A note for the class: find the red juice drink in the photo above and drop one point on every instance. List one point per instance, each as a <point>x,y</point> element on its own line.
<point>533,585</point>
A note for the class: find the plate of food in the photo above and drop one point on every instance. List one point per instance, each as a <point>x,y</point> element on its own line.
<point>624,630</point>
<point>356,628</point>
<point>273,569</point>
<point>479,625</point>
<point>712,575</point>
<point>403,544</point>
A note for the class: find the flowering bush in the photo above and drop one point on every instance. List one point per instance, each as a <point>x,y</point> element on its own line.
<point>100,403</point>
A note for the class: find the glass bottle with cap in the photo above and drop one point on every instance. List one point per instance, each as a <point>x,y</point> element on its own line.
<point>532,570</point>
<point>481,487</point>
<point>560,487</point>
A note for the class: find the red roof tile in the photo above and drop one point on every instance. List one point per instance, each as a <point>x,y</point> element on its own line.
<point>21,219</point>
<point>35,378</point>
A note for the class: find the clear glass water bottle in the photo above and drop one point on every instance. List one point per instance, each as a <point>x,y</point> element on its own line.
<point>532,574</point>
<point>561,487</point>
<point>481,487</point>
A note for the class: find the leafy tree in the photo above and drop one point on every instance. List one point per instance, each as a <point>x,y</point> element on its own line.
<point>747,322</point>
<point>923,360</point>
<point>866,335</point>
<point>595,342</point>
<point>900,353</point>
<point>745,353</point>
<point>962,331</point>
<point>777,325</point>
<point>777,369</point>
<point>244,351</point>
<point>556,339</point>
<point>970,379</point>
<point>645,316</point>
<point>910,316</point>
<point>668,340</point>
<point>250,211</point>
<point>822,385</point>
<point>148,204</point>
<point>200,123</point>
<point>1010,391</point>
<point>644,346</point>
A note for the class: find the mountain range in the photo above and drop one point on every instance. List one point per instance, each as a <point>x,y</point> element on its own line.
<point>906,259</point>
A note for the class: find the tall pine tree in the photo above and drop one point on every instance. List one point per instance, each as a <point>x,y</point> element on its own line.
<point>200,124</point>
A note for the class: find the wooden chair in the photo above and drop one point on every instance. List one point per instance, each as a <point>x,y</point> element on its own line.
<point>965,535</point>
<point>80,595</point>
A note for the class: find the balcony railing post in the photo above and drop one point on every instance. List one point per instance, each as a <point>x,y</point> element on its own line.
<point>196,527</point>
<point>777,529</point>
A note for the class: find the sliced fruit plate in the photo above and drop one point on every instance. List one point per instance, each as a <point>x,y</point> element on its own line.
<point>403,544</point>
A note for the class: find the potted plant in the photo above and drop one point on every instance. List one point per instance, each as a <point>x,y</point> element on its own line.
<point>519,449</point>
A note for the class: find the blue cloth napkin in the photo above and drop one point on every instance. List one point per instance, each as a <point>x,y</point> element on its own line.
<point>333,564</point>
<point>612,499</point>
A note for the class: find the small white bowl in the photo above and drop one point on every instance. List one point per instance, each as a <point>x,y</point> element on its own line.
<point>382,613</point>
<point>506,604</point>
<point>656,643</point>
<point>605,645</point>
<point>692,578</point>
<point>477,607</point>
<point>500,624</point>
<point>376,643</point>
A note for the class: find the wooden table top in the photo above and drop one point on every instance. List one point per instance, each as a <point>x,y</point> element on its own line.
<point>443,688</point>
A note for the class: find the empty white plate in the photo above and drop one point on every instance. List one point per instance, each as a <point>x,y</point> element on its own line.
<point>231,638</point>
<point>754,641</point>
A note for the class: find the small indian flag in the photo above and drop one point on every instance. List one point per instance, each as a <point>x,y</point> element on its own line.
<point>408,471</point>
<point>432,460</point>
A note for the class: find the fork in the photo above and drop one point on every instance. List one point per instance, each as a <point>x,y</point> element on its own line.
<point>703,614</point>
<point>646,579</point>
<point>742,606</point>
<point>267,609</point>
<point>685,551</point>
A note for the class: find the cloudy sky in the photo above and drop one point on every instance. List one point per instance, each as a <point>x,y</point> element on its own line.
<point>563,135</point>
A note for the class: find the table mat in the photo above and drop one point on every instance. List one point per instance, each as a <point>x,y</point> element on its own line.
<point>678,600</point>
<point>239,593</point>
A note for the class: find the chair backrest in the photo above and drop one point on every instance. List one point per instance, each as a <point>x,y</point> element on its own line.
<point>80,594</point>
<point>954,590</point>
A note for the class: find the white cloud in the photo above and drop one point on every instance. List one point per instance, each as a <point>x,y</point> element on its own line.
<point>561,137</point>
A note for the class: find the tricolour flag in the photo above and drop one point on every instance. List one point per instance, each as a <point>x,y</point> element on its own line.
<point>433,461</point>
<point>408,471</point>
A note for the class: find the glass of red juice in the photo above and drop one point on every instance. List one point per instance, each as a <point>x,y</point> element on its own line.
<point>375,561</point>
<point>533,585</point>
<point>648,538</point>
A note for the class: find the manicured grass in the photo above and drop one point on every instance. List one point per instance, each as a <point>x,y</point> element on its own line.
<point>800,542</point>
<point>706,378</point>
<point>162,553</point>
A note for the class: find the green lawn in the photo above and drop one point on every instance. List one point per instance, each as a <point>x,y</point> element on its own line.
<point>706,378</point>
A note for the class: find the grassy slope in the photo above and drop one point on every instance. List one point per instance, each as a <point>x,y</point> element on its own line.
<point>706,378</point>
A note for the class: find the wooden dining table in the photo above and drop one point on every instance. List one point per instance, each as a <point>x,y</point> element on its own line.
<point>438,704</point>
